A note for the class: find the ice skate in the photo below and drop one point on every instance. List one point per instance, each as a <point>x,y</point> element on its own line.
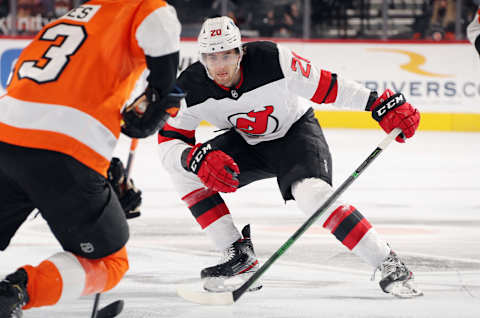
<point>397,279</point>
<point>237,264</point>
<point>13,294</point>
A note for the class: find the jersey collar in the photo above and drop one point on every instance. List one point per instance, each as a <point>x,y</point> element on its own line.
<point>228,89</point>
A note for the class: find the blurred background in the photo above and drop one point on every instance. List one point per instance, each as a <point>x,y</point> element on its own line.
<point>417,47</point>
<point>307,19</point>
<point>423,196</point>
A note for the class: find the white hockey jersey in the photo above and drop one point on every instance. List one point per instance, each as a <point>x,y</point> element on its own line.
<point>271,95</point>
<point>473,31</point>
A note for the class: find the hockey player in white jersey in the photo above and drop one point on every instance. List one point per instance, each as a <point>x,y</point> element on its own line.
<point>257,91</point>
<point>473,30</point>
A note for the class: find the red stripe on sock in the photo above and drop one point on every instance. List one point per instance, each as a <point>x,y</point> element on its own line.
<point>212,215</point>
<point>197,195</point>
<point>357,233</point>
<point>337,217</point>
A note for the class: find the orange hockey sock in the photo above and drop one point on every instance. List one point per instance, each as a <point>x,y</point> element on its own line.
<point>44,286</point>
<point>65,276</point>
<point>105,273</point>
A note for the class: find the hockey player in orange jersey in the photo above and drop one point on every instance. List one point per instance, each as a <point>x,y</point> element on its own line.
<point>59,123</point>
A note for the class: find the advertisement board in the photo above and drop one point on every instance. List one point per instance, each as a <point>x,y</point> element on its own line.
<point>435,77</point>
<point>440,79</point>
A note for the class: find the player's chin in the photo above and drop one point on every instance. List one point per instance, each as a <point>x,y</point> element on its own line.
<point>222,80</point>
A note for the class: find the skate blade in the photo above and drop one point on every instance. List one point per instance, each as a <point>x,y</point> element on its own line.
<point>405,290</point>
<point>229,284</point>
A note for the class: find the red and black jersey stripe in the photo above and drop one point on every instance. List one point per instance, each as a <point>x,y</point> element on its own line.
<point>327,88</point>
<point>170,133</point>
<point>206,205</point>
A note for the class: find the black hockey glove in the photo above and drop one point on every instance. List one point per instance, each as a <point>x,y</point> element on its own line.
<point>148,113</point>
<point>130,197</point>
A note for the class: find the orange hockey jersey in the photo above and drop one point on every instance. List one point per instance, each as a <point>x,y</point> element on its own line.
<point>70,83</point>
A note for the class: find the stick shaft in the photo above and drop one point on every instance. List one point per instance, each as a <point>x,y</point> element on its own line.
<point>131,157</point>
<point>95,305</point>
<point>244,287</point>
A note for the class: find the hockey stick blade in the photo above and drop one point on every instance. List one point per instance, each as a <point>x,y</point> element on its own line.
<point>111,310</point>
<point>228,298</point>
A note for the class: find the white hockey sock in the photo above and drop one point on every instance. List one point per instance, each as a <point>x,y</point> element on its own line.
<point>212,214</point>
<point>343,220</point>
<point>72,274</point>
<point>371,248</point>
<point>223,232</point>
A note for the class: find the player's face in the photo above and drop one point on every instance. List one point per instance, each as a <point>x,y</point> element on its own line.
<point>222,66</point>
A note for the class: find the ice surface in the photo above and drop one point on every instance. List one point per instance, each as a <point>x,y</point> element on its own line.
<point>422,196</point>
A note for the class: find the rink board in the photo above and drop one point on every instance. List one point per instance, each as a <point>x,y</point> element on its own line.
<point>440,79</point>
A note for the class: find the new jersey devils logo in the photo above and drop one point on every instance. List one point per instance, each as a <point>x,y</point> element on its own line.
<point>256,123</point>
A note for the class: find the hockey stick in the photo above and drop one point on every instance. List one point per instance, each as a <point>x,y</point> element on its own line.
<point>113,309</point>
<point>131,157</point>
<point>95,305</point>
<point>227,298</point>
<point>109,311</point>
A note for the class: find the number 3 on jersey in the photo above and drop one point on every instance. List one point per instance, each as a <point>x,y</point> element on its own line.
<point>57,55</point>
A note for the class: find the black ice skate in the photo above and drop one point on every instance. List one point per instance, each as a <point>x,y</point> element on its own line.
<point>237,264</point>
<point>397,279</point>
<point>13,294</point>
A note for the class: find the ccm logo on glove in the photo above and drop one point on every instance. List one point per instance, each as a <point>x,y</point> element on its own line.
<point>217,170</point>
<point>392,103</point>
<point>197,159</point>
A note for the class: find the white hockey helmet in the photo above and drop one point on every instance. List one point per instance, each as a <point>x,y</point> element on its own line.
<point>219,34</point>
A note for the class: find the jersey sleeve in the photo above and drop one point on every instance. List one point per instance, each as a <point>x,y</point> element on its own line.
<point>318,85</point>
<point>177,135</point>
<point>158,35</point>
<point>473,31</point>
<point>159,32</point>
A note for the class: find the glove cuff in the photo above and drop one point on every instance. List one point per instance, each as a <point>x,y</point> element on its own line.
<point>389,104</point>
<point>371,100</point>
<point>184,158</point>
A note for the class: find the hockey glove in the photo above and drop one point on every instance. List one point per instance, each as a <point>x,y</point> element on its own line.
<point>216,169</point>
<point>392,111</point>
<point>149,112</point>
<point>130,197</point>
